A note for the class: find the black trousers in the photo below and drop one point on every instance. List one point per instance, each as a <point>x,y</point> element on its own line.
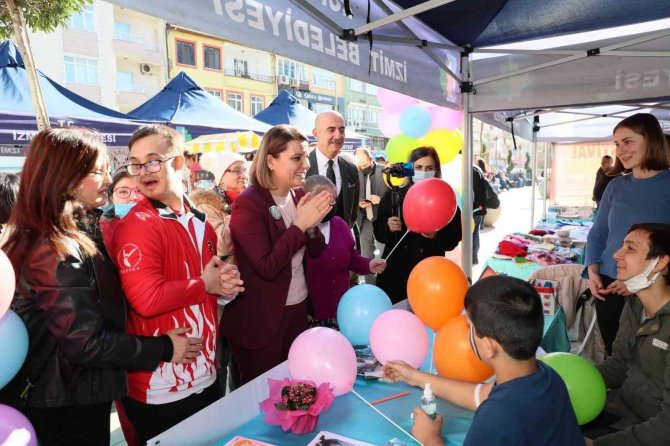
<point>150,420</point>
<point>608,313</point>
<point>64,426</point>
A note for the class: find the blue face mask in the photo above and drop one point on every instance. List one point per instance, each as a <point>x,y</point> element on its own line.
<point>420,176</point>
<point>122,209</point>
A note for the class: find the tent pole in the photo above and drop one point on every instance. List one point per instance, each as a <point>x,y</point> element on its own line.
<point>546,181</point>
<point>533,170</point>
<point>466,249</point>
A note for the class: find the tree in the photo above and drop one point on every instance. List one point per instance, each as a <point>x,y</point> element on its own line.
<point>16,17</point>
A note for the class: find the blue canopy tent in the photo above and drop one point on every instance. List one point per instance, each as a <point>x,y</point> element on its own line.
<point>183,103</point>
<point>427,49</point>
<point>65,108</point>
<point>286,109</point>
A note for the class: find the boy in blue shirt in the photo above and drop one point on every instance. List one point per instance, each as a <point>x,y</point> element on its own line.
<point>528,404</point>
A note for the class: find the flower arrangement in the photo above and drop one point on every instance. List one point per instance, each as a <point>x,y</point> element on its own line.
<point>295,405</point>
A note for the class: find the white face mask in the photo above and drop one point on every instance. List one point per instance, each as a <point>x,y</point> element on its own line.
<point>642,281</point>
<point>420,176</point>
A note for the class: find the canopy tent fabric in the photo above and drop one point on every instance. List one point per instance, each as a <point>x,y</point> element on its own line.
<point>386,45</point>
<point>242,142</point>
<point>182,102</point>
<point>286,109</point>
<point>65,108</point>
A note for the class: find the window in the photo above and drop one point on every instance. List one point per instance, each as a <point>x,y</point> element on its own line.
<point>122,31</point>
<point>241,68</point>
<point>124,81</point>
<point>292,69</point>
<point>215,93</point>
<point>257,105</point>
<point>82,20</point>
<point>185,53</point>
<point>318,107</point>
<point>323,79</point>
<point>212,57</point>
<point>81,71</point>
<point>356,85</point>
<point>370,89</point>
<point>234,100</point>
<point>355,116</point>
<point>371,116</point>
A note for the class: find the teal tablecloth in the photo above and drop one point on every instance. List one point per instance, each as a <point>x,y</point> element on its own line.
<point>555,337</point>
<point>351,417</point>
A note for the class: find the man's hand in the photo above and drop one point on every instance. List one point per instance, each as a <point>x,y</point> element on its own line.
<point>427,430</point>
<point>395,225</point>
<point>395,371</point>
<point>231,283</point>
<point>184,349</point>
<point>211,276</point>
<point>374,199</point>
<point>364,204</point>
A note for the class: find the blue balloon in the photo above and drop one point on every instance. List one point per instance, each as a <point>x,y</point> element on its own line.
<point>358,309</point>
<point>415,121</point>
<point>13,348</point>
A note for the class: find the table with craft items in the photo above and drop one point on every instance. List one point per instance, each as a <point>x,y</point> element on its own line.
<point>238,414</point>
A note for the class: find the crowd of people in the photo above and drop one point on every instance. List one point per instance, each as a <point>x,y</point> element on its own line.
<point>136,292</point>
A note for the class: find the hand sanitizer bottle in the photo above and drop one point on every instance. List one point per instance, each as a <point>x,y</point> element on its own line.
<point>428,402</point>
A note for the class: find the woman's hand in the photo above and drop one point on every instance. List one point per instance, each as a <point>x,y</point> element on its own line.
<point>377,266</point>
<point>395,225</point>
<point>184,349</point>
<point>311,210</point>
<point>617,287</point>
<point>595,282</point>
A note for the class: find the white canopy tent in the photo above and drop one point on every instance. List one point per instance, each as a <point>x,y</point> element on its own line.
<point>387,45</point>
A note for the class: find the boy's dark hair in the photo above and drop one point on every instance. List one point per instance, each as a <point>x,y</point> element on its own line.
<point>659,241</point>
<point>509,311</point>
<point>9,189</point>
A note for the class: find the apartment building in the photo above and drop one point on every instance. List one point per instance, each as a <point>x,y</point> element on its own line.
<point>362,111</point>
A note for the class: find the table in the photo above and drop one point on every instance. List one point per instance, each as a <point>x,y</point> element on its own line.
<point>555,338</point>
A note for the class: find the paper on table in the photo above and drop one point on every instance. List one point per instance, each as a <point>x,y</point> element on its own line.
<point>325,438</point>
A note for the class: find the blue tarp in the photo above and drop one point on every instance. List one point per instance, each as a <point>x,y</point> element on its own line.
<point>286,109</point>
<point>65,108</point>
<point>494,22</point>
<point>182,102</point>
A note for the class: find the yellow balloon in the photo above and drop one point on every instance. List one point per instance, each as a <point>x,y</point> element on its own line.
<point>446,142</point>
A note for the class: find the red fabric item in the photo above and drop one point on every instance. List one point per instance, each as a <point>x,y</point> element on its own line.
<point>232,196</point>
<point>538,232</point>
<point>509,248</point>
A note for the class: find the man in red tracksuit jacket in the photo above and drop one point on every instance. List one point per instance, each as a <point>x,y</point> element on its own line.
<point>165,251</point>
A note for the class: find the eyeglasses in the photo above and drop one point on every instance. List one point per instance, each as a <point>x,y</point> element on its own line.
<point>152,166</point>
<point>238,171</point>
<point>124,192</point>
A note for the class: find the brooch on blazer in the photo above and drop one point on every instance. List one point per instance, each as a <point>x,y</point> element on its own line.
<point>275,212</point>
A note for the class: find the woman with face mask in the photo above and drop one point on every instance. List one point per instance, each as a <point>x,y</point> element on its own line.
<point>641,195</point>
<point>390,226</point>
<point>328,272</point>
<point>123,193</point>
<point>638,371</point>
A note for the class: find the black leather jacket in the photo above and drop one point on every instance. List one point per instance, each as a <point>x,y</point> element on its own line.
<point>75,313</point>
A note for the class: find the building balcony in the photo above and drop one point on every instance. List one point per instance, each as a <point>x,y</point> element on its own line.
<point>132,96</point>
<point>290,82</point>
<point>137,48</point>
<point>248,75</point>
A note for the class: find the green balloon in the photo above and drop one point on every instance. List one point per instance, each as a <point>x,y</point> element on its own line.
<point>585,384</point>
<point>399,147</point>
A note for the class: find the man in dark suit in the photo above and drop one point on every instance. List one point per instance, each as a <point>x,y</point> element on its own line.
<point>373,188</point>
<point>325,160</point>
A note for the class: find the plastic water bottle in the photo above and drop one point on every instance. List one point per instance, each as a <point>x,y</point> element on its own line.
<point>428,402</point>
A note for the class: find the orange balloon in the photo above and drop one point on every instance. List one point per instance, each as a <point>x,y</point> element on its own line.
<point>453,355</point>
<point>436,291</point>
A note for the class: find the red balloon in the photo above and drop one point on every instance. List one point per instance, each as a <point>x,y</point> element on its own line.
<point>429,206</point>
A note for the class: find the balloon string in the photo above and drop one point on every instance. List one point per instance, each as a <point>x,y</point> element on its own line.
<point>387,418</point>
<point>397,244</point>
<point>431,354</point>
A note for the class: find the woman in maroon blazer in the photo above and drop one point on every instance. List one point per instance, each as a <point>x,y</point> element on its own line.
<point>272,224</point>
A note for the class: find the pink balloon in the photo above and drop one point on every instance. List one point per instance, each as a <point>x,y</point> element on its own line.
<point>445,118</point>
<point>389,124</point>
<point>394,102</point>
<point>15,428</point>
<point>8,282</point>
<point>323,355</point>
<point>399,334</point>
